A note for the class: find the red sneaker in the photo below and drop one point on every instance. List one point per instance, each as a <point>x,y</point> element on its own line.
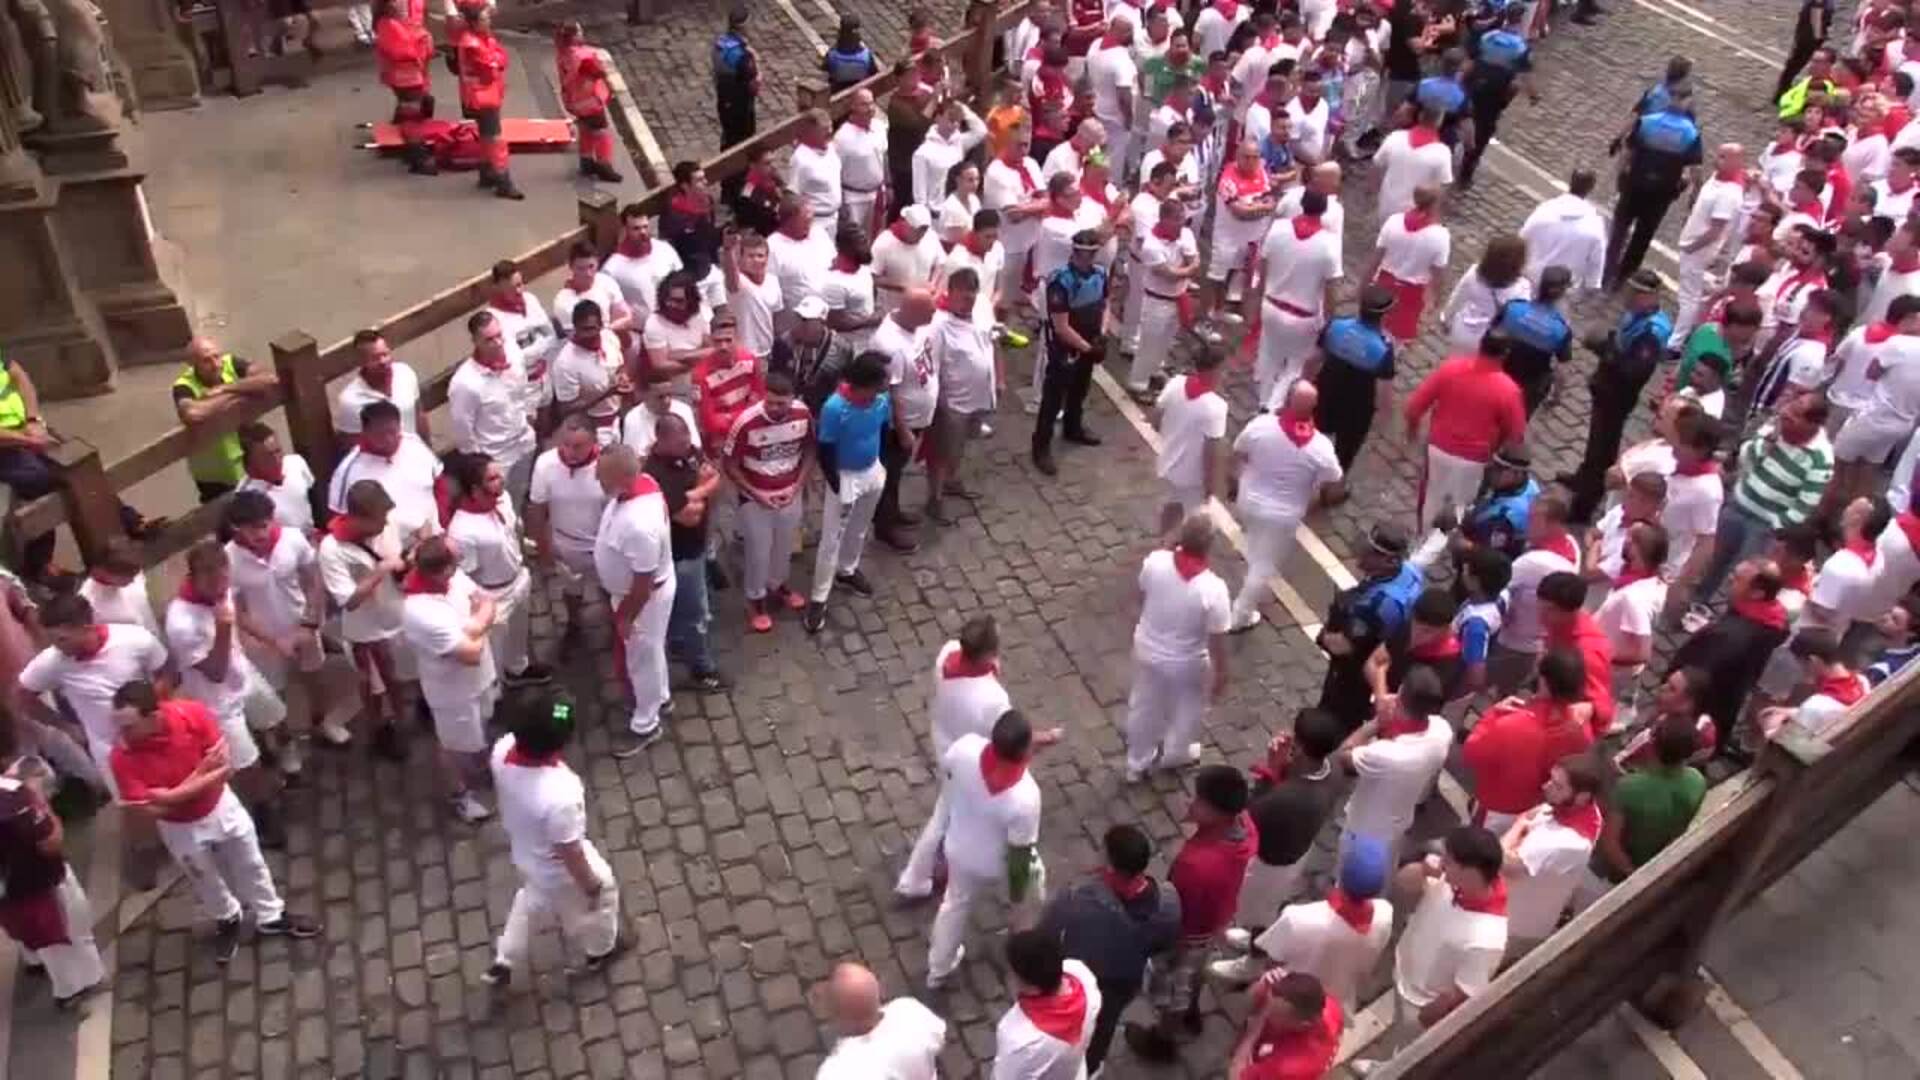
<point>757,618</point>
<point>793,600</point>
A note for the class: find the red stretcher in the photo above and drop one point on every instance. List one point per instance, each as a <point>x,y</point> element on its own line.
<point>523,136</point>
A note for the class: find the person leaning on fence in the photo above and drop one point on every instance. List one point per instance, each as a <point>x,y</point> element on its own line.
<point>210,378</point>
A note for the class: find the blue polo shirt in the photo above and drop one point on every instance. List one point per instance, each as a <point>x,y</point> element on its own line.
<point>855,430</point>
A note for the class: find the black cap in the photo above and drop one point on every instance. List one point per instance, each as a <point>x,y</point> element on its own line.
<point>1086,240</point>
<point>738,16</point>
<point>1644,281</point>
<point>1514,456</point>
<point>1388,539</point>
<point>1375,299</point>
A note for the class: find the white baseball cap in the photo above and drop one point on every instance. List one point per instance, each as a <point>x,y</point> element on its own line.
<point>916,217</point>
<point>811,308</point>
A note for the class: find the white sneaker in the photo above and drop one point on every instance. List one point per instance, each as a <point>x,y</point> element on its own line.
<point>935,982</point>
<point>1134,775</point>
<point>333,733</point>
<point>469,809</point>
<point>1191,759</point>
<point>292,761</point>
<point>1239,971</point>
<point>1238,940</point>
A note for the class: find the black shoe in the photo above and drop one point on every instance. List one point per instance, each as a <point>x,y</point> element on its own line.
<point>600,170</point>
<point>815,619</point>
<point>498,975</point>
<point>74,1000</point>
<point>420,162</point>
<point>387,743</point>
<point>621,943</point>
<point>488,181</point>
<point>717,578</point>
<point>1081,437</point>
<point>706,682</point>
<point>856,581</point>
<point>1581,18</point>
<point>298,927</point>
<point>503,188</point>
<point>423,713</point>
<point>1044,462</point>
<point>226,940</point>
<point>895,539</point>
<point>1149,1042</point>
<point>626,744</point>
<point>532,675</point>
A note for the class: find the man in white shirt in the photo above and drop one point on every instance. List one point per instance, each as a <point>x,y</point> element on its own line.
<point>563,877</point>
<point>1567,230</point>
<point>1070,156</point>
<point>485,530</point>
<point>1166,259</point>
<point>360,565</point>
<point>1410,159</point>
<point>1690,511</point>
<point>530,330</point>
<point>967,698</point>
<point>962,351</point>
<point>487,399</point>
<point>85,661</point>
<point>1410,258</point>
<point>992,838</point>
<point>1215,23</point>
<point>1045,1032</point>
<point>913,385</point>
<point>586,281</point>
<point>1179,651</point>
<point>400,463</point>
<point>1310,115</point>
<point>1396,757</point>
<point>753,291</point>
<point>589,373</point>
<point>1882,426</point>
<point>1299,264</point>
<point>378,377</point>
<point>1899,267</point>
<point>564,504</point>
<point>1116,85</point>
<point>633,556</point>
<point>1284,465</point>
<point>1545,851</point>
<point>1631,612</point>
<point>1012,186</point>
<point>1515,653</point>
<point>1844,593</point>
<point>278,603</point>
<point>1324,178</point>
<point>447,621</point>
<point>899,1040</point>
<point>816,169</point>
<point>116,586</point>
<point>1193,421</point>
<point>852,310</point>
<point>1457,936</point>
<point>905,254</point>
<point>861,145</point>
<point>1337,940</point>
<point>1894,194</point>
<point>285,478</point>
<point>1704,237</point>
<point>639,263</point>
<point>956,130</point>
<point>799,252</point>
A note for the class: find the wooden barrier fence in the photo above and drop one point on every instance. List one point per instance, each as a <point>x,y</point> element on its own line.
<point>89,488</point>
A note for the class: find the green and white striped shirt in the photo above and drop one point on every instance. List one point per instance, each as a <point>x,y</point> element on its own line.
<point>1780,484</point>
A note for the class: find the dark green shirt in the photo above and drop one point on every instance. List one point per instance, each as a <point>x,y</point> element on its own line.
<point>1658,804</point>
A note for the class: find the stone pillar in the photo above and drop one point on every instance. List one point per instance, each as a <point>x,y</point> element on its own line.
<point>103,225</point>
<point>148,40</point>
<point>46,320</point>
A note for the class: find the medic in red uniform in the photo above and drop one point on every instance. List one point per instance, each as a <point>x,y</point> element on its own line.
<point>482,63</point>
<point>584,93</point>
<point>404,48</point>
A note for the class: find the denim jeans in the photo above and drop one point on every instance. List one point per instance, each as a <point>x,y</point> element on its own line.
<point>1739,536</point>
<point>687,625</point>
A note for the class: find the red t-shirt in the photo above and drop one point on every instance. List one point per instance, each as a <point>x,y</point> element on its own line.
<point>1597,654</point>
<point>1207,875</point>
<point>187,732</point>
<point>1476,407</point>
<point>725,387</point>
<point>1512,750</point>
<point>1306,1054</point>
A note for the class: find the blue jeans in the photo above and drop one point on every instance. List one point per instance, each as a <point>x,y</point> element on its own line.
<point>1739,536</point>
<point>687,625</point>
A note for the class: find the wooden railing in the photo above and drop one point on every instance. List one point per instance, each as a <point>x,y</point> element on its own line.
<point>89,488</point>
<point>1644,941</point>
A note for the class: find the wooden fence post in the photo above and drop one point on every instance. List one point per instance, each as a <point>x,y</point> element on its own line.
<point>93,510</point>
<point>303,387</point>
<point>600,213</point>
<point>979,21</point>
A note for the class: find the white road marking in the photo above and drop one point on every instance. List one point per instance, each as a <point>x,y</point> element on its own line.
<point>806,28</point>
<point>1666,10</point>
<point>1662,1045</point>
<point>1371,1022</point>
<point>1753,1040</point>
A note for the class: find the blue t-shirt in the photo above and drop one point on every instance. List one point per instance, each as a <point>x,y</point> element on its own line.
<point>854,430</point>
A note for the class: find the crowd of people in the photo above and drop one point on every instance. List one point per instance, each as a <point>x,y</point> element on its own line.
<point>1595,643</point>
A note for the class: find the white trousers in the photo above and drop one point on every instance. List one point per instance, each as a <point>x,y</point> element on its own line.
<point>573,565</point>
<point>1266,889</point>
<point>1165,708</point>
<point>956,904</point>
<point>1448,481</point>
<point>1286,340</point>
<point>1159,326</point>
<point>76,965</point>
<point>220,855</point>
<point>1130,309</point>
<point>590,928</point>
<point>1119,145</point>
<point>1362,100</point>
<point>857,207</point>
<point>1270,540</point>
<point>509,634</point>
<point>845,517</point>
<point>646,648</point>
<point>1900,486</point>
<point>767,537</point>
<point>1691,288</point>
<point>916,878</point>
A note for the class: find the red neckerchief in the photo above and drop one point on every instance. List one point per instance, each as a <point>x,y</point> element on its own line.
<point>1307,104</point>
<point>1420,135</point>
<point>1628,577</point>
<point>1227,8</point>
<point>592,456</point>
<point>517,756</point>
<point>517,305</point>
<point>1053,87</point>
<point>366,448</point>
<point>1823,336</point>
<point>340,527</point>
<point>1768,613</point>
<point>920,42</point>
<point>642,485</point>
<point>1731,176</point>
<point>93,650</point>
<point>480,501</point>
<point>1304,226</point>
<point>1028,185</point>
<point>1809,207</point>
<point>599,343</point>
<point>384,384</point>
<point>1442,648</point>
<point>998,773</point>
<point>416,584</point>
<point>1355,913</point>
<point>192,595</point>
<point>1705,467</point>
<point>760,178</point>
<point>635,249</point>
<point>1161,230</point>
<point>1863,548</point>
<point>1125,886</point>
<point>1054,211</point>
<point>691,203</point>
<point>1298,429</point>
<point>1215,84</point>
<point>495,365</point>
<point>1400,724</point>
<point>1113,39</point>
<point>1061,1014</point>
<point>1099,193</point>
<point>958,666</point>
<point>1845,689</point>
<point>974,244</point>
<point>1199,384</point>
<point>1584,819</point>
<point>271,477</point>
<point>900,229</point>
<point>1562,546</point>
<point>845,264</point>
<point>1187,564</point>
<point>264,550</point>
<point>1909,525</point>
<point>1800,579</point>
<point>1494,903</point>
<point>1415,220</point>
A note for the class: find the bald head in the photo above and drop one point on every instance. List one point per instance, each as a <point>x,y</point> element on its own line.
<point>619,467</point>
<point>1325,178</point>
<point>1730,157</point>
<point>916,307</point>
<point>1302,398</point>
<point>1090,134</point>
<point>853,996</point>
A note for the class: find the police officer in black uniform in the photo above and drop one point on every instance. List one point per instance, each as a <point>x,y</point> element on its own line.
<point>1628,355</point>
<point>1540,334</point>
<point>1372,613</point>
<point>1662,152</point>
<point>736,81</point>
<point>1502,67</point>
<point>1354,370</point>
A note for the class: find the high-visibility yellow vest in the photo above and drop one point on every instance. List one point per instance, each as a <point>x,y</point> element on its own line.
<point>219,461</point>
<point>13,407</point>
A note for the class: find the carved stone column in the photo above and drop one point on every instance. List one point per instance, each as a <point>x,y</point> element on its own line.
<point>46,320</point>
<point>103,226</point>
<point>145,35</point>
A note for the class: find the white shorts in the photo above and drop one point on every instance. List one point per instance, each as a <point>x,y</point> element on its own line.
<point>1869,438</point>
<point>275,668</point>
<point>462,727</point>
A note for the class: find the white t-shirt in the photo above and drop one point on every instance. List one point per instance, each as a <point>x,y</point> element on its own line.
<point>638,426</point>
<point>815,177</point>
<point>271,590</point>
<point>130,653</point>
<point>1022,1051</point>
<point>956,216</point>
<point>1156,256</point>
<point>633,539</point>
<point>904,1045</point>
<point>355,395</point>
<point>863,156</point>
<point>343,566</point>
<point>754,306</point>
<point>541,808</point>
<point>1819,711</point>
<point>1281,477</point>
<point>435,625</point>
<point>1112,71</point>
<point>1555,856</point>
<point>1629,614</point>
<point>579,375</point>
<point>573,498</point>
<point>1889,203</point>
<point>800,265</point>
<point>1178,616</point>
<point>912,376</point>
<point>1851,389</point>
<point>1719,200</point>
<point>1186,425</point>
<point>1002,186</point>
<point>1691,512</point>
<point>407,476</point>
<point>1896,394</point>
<point>604,291</point>
<point>963,704</point>
<point>292,505</point>
<point>489,411</point>
<point>902,265</point>
<point>1891,284</point>
<point>190,636</point>
<point>128,605</point>
<point>1566,230</point>
<point>962,352</point>
<point>1845,587</point>
<point>1393,777</point>
<point>1186,173</point>
<point>1298,270</point>
<point>1413,256</point>
<point>1866,160</point>
<point>664,336</point>
<point>1333,219</point>
<point>1405,167</point>
<point>1446,947</point>
<point>1522,631</point>
<point>1065,158</point>
<point>531,340</point>
<point>1309,127</point>
<point>1312,939</point>
<point>988,267</point>
<point>639,277</point>
<point>850,292</point>
<point>489,544</point>
<point>982,825</point>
